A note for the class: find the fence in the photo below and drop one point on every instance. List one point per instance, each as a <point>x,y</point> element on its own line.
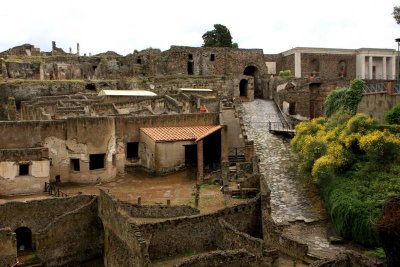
<point>53,190</point>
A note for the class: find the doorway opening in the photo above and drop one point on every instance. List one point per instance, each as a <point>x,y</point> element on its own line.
<point>97,161</point>
<point>75,165</point>
<point>253,71</point>
<point>243,87</point>
<point>190,67</point>
<point>191,155</point>
<point>24,238</point>
<point>132,150</point>
<point>212,152</point>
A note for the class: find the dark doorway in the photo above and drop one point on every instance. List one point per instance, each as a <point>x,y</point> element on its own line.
<point>191,155</point>
<point>75,165</point>
<point>97,161</point>
<point>90,86</point>
<point>190,67</point>
<point>243,87</point>
<point>212,152</point>
<point>252,71</point>
<point>212,57</point>
<point>132,150</point>
<point>23,169</point>
<point>292,108</point>
<point>24,238</point>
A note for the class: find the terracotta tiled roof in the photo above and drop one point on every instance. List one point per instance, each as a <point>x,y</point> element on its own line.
<point>168,134</point>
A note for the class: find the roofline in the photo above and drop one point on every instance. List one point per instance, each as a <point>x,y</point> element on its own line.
<point>344,51</point>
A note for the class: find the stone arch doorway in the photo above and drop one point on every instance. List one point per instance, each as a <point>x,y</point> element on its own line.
<point>253,71</point>
<point>24,238</point>
<point>243,87</point>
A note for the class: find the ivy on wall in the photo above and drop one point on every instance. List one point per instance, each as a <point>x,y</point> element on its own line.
<point>344,99</point>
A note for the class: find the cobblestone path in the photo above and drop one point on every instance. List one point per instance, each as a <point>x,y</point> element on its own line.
<point>294,202</point>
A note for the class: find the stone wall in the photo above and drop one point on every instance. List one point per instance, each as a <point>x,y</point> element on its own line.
<point>273,236</point>
<point>376,104</point>
<point>174,236</point>
<point>329,66</point>
<point>73,237</point>
<point>212,60</point>
<point>348,258</point>
<point>156,211</point>
<point>221,85</point>
<point>231,238</point>
<point>307,96</point>
<point>8,247</point>
<point>123,244</point>
<point>64,230</point>
<point>232,258</point>
<point>37,214</point>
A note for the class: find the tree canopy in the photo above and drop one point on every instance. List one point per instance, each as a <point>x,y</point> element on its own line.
<point>396,14</point>
<point>220,36</point>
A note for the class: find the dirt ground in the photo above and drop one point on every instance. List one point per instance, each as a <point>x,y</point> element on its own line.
<point>177,187</point>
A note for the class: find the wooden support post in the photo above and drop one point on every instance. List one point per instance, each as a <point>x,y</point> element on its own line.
<point>200,162</point>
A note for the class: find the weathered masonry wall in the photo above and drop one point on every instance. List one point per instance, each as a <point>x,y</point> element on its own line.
<point>64,230</point>
<point>376,104</point>
<point>273,236</point>
<point>73,237</point>
<point>37,165</point>
<point>156,211</point>
<point>76,140</point>
<point>329,66</point>
<point>233,258</point>
<point>8,247</point>
<point>123,242</point>
<point>174,236</point>
<point>37,214</point>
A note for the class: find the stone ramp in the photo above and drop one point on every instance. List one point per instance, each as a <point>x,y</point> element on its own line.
<point>295,202</point>
<point>291,200</point>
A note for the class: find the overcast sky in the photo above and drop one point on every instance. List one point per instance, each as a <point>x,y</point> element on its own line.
<point>123,26</point>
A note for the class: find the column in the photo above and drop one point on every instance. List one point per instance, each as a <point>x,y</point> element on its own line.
<point>224,143</point>
<point>297,64</point>
<point>362,65</point>
<point>394,68</point>
<point>369,67</point>
<point>384,68</point>
<point>200,162</point>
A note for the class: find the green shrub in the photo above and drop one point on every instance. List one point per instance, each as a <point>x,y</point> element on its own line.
<point>344,99</point>
<point>392,116</point>
<point>285,73</point>
<point>377,253</point>
<point>355,162</point>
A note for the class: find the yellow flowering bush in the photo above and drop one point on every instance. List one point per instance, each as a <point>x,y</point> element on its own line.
<point>381,146</point>
<point>323,168</point>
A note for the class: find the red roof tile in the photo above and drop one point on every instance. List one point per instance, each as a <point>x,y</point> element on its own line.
<point>168,134</point>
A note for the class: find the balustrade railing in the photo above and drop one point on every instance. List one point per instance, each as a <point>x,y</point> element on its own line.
<point>375,88</point>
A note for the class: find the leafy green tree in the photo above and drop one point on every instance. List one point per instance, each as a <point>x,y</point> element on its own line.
<point>396,14</point>
<point>220,36</point>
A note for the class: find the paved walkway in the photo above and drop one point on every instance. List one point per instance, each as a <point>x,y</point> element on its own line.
<point>295,204</point>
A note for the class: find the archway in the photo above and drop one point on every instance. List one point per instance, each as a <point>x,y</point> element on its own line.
<point>24,238</point>
<point>253,71</point>
<point>243,87</point>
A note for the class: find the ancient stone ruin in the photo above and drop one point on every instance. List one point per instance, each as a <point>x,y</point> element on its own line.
<point>146,160</point>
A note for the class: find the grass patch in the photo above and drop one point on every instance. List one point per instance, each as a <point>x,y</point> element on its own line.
<point>377,253</point>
